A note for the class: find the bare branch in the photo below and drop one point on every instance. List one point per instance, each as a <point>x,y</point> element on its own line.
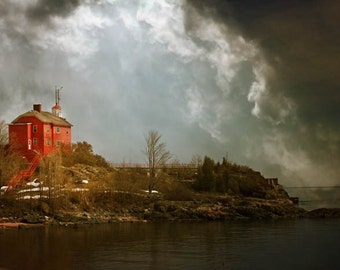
<point>156,154</point>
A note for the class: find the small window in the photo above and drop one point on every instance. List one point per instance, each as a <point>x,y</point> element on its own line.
<point>35,141</point>
<point>58,143</point>
<point>57,129</point>
<point>35,129</point>
<point>67,131</point>
<point>48,141</point>
<point>47,129</point>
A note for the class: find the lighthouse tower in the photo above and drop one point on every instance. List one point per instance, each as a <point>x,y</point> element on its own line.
<point>56,109</point>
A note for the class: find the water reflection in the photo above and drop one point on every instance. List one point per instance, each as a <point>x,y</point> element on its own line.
<point>243,245</point>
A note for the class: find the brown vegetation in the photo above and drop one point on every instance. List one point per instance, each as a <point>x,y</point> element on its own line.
<point>82,186</point>
<point>10,161</point>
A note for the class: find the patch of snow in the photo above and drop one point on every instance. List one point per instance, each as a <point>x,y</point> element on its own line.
<point>34,183</point>
<point>83,181</point>
<point>35,197</point>
<point>152,191</point>
<point>79,189</point>
<point>36,189</point>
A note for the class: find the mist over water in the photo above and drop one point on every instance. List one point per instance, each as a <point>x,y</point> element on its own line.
<point>316,197</point>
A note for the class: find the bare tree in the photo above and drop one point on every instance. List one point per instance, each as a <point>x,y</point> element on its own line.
<point>10,160</point>
<point>156,154</point>
<point>3,133</point>
<point>51,175</point>
<point>196,161</point>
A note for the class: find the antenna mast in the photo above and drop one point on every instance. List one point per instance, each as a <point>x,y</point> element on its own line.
<point>57,95</point>
<point>56,109</point>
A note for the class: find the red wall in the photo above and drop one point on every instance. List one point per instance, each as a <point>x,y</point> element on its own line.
<point>44,136</point>
<point>63,137</point>
<point>19,137</point>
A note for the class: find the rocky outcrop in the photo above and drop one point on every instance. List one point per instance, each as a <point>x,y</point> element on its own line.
<point>323,213</point>
<point>201,208</point>
<point>224,209</point>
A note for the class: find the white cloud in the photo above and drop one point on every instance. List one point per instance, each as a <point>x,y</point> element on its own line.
<point>294,160</point>
<point>74,35</point>
<point>269,104</point>
<point>125,55</point>
<point>165,19</point>
<point>258,87</point>
<point>224,52</point>
<point>208,114</point>
<point>194,104</point>
<point>297,167</point>
<point>227,50</point>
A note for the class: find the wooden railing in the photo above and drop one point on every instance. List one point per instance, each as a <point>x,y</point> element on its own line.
<point>24,174</point>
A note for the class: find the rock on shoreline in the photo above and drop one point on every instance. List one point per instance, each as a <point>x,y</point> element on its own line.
<point>323,213</point>
<point>19,225</point>
<point>221,208</point>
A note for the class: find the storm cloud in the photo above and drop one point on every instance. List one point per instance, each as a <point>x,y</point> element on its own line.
<point>255,82</point>
<point>299,41</point>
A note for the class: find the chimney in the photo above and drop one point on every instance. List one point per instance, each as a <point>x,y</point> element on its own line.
<point>37,107</point>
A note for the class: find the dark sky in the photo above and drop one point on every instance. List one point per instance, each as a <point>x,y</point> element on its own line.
<point>255,80</point>
<point>301,42</point>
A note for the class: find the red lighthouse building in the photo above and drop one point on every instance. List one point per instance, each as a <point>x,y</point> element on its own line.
<point>37,133</point>
<point>40,132</point>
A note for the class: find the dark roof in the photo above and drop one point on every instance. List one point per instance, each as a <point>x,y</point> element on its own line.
<point>45,117</point>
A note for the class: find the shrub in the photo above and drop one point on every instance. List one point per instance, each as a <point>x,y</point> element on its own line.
<point>82,153</point>
<point>177,191</point>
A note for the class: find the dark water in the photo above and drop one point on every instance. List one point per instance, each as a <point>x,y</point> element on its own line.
<point>295,244</point>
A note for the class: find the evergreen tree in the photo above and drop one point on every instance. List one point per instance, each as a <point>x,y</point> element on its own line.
<point>206,180</point>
